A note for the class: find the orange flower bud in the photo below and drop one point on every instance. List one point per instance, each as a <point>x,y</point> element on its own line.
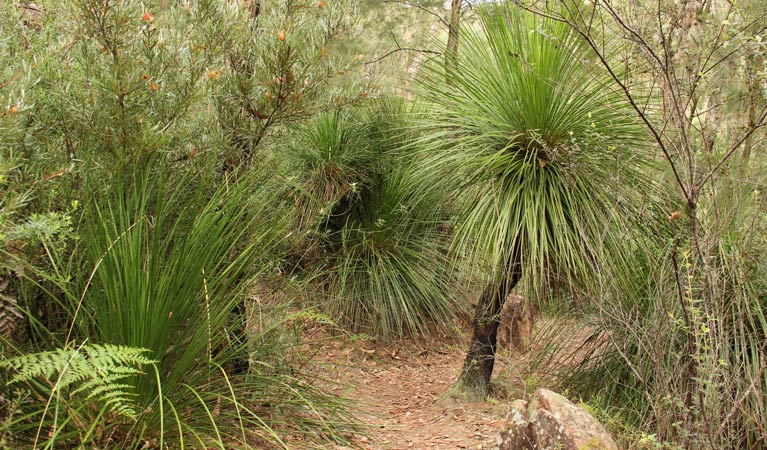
<point>13,110</point>
<point>320,4</point>
<point>147,17</point>
<point>281,36</point>
<point>212,75</point>
<point>674,216</point>
<point>154,86</point>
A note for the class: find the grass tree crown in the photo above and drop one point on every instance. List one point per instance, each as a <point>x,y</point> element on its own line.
<point>533,140</point>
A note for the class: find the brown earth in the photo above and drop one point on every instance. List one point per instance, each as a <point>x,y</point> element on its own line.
<point>402,392</point>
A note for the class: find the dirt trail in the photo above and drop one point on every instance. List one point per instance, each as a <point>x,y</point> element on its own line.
<point>402,392</point>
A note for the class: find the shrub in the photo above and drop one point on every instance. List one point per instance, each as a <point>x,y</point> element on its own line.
<point>380,245</point>
<point>171,262</point>
<point>687,372</point>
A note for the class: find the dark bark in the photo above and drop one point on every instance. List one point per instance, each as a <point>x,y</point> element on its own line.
<point>474,381</point>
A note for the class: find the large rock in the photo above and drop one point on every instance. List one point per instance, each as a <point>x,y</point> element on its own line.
<point>551,422</point>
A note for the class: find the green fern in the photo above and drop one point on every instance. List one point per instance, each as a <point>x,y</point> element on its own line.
<point>94,371</point>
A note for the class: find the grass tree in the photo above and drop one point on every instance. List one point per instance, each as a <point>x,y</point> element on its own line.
<point>377,242</point>
<point>541,156</point>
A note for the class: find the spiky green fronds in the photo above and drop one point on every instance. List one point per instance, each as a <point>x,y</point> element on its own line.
<point>539,148</point>
<point>378,241</point>
<point>389,274</point>
<point>330,159</point>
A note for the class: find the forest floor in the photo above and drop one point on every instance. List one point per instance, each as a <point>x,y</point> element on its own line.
<point>401,390</point>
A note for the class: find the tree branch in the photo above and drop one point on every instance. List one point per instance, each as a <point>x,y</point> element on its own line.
<point>402,49</point>
<point>759,124</point>
<point>643,117</point>
<point>418,6</point>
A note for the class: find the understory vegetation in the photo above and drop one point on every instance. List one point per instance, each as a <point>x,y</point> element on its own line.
<point>186,186</point>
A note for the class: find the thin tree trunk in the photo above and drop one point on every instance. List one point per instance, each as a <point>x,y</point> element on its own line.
<point>474,381</point>
<point>451,54</point>
<point>752,64</point>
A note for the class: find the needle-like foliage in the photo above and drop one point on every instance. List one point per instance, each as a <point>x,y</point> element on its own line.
<point>533,141</point>
<point>380,246</point>
<point>539,153</point>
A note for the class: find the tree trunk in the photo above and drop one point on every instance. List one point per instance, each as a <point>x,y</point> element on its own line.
<point>474,381</point>
<point>753,62</point>
<point>451,54</point>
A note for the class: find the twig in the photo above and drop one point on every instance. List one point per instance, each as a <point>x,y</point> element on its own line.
<point>418,6</point>
<point>759,124</point>
<point>403,49</point>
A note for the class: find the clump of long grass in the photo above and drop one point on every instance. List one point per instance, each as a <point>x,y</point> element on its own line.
<point>174,261</point>
<point>171,263</point>
<point>379,244</point>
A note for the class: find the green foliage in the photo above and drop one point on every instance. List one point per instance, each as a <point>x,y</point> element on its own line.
<point>126,218</point>
<point>138,210</point>
<point>281,69</point>
<point>166,256</point>
<point>170,263</point>
<point>93,372</point>
<point>538,149</point>
<point>380,245</point>
<point>331,157</point>
<point>660,333</point>
<point>681,343</point>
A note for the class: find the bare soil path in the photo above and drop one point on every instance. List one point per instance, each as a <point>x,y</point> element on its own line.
<point>401,391</point>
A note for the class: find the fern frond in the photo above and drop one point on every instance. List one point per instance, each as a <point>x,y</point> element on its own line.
<point>92,370</point>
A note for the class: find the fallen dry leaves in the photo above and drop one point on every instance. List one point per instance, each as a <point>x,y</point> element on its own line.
<point>401,387</point>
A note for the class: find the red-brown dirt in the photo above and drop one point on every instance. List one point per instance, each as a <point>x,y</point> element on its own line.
<point>401,390</point>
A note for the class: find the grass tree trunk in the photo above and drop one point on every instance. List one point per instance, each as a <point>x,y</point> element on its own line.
<point>474,381</point>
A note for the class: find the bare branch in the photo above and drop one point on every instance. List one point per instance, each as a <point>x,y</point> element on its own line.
<point>630,97</point>
<point>402,49</point>
<point>417,5</point>
<point>761,122</point>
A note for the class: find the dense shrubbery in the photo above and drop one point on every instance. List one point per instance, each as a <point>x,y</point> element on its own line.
<point>135,215</point>
<point>678,369</point>
<point>379,245</point>
<point>162,163</point>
